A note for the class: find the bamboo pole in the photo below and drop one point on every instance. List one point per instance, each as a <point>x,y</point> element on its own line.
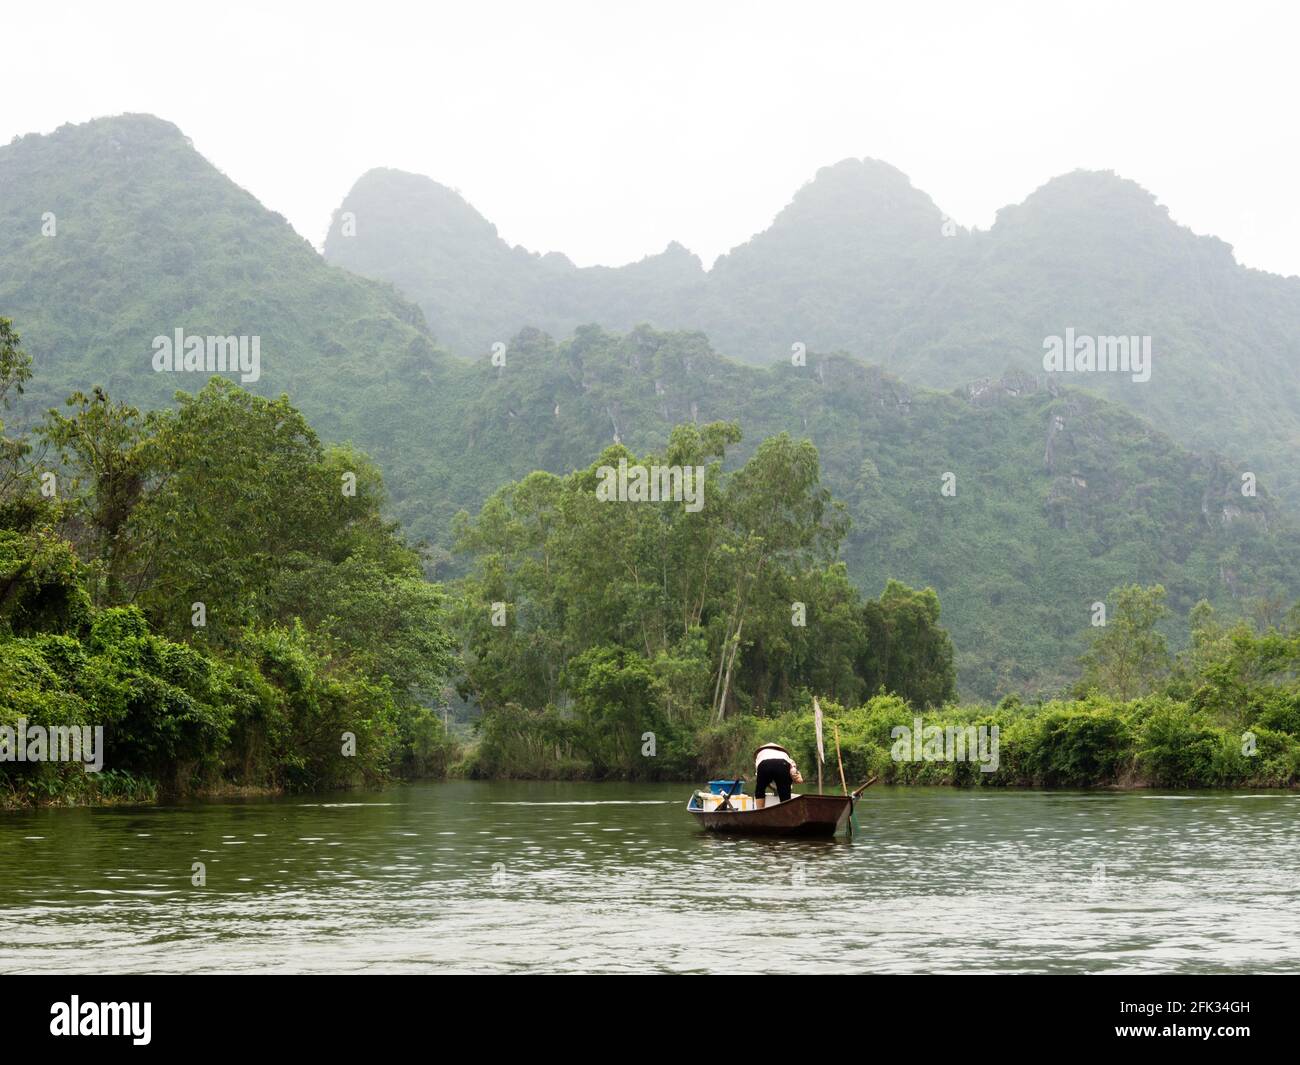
<point>817,713</point>
<point>839,757</point>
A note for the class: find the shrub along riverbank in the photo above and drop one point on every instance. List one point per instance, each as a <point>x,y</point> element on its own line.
<point>1095,742</point>
<point>1225,713</point>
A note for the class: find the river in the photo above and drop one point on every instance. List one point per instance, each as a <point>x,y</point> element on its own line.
<point>513,876</point>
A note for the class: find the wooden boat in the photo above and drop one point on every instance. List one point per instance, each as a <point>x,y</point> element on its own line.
<point>799,815</point>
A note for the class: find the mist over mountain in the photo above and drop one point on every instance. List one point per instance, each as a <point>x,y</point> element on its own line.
<point>426,239</point>
<point>862,262</point>
<point>1059,495</point>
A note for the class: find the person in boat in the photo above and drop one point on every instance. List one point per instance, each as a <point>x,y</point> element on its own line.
<point>774,765</point>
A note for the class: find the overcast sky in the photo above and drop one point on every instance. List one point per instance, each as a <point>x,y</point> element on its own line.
<point>605,130</point>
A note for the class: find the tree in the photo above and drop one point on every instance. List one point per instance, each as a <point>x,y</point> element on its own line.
<point>907,653</point>
<point>623,614</point>
<point>1129,655</point>
<point>109,450</point>
<point>777,512</point>
<point>615,698</point>
<point>251,603</point>
<point>15,371</point>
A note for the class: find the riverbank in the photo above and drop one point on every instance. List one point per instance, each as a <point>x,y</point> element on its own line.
<point>71,787</point>
<point>1092,743</point>
<point>117,789</point>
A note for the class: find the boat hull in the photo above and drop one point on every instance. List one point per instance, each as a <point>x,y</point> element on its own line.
<point>802,815</point>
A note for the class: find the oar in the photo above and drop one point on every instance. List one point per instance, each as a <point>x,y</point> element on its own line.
<point>725,804</point>
<point>864,787</point>
<point>853,800</point>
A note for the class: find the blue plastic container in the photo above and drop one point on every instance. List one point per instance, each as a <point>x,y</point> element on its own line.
<point>721,787</point>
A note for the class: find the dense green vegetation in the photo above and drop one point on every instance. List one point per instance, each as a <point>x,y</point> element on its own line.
<point>221,594</point>
<point>608,639</point>
<point>1225,713</point>
<point>205,585</point>
<point>1059,495</point>
<point>862,262</point>
<point>591,625</point>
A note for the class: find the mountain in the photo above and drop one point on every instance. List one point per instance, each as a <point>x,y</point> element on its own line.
<point>1059,495</point>
<point>146,237</point>
<point>424,238</point>
<point>862,262</point>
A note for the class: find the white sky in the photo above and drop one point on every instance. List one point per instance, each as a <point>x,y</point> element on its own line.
<point>605,130</point>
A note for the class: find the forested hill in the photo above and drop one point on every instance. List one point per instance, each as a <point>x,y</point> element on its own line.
<point>116,231</point>
<point>1059,496</point>
<point>863,262</point>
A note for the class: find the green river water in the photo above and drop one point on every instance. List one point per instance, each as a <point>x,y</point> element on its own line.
<point>511,876</point>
